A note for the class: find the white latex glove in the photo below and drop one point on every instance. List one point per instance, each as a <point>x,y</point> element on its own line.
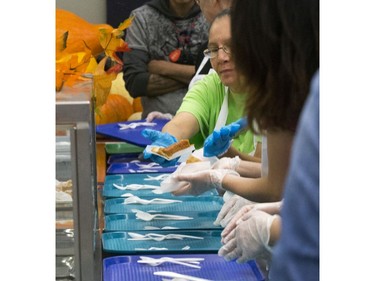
<point>271,208</point>
<point>244,213</point>
<point>158,115</point>
<point>230,209</point>
<point>249,240</point>
<point>227,163</point>
<point>200,182</point>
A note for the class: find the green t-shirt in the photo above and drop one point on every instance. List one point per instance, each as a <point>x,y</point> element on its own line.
<point>204,101</point>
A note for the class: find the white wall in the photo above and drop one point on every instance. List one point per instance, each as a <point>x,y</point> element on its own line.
<point>94,11</point>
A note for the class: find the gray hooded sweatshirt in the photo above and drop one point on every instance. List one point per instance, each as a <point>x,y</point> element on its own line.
<point>154,33</point>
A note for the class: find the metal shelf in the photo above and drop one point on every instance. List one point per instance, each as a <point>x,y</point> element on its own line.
<point>81,246</point>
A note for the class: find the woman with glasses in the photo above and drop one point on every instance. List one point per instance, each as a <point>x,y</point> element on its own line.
<point>209,8</point>
<point>213,102</point>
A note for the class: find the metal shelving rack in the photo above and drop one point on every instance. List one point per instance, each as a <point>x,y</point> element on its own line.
<point>79,248</point>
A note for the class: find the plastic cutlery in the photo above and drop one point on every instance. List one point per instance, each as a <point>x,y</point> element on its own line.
<point>149,227</point>
<point>135,186</point>
<point>148,217</point>
<point>148,236</point>
<point>127,195</point>
<point>191,262</point>
<point>151,249</point>
<point>146,171</point>
<point>137,200</point>
<point>178,275</point>
<point>160,237</point>
<point>134,125</point>
<point>147,166</point>
<point>158,249</point>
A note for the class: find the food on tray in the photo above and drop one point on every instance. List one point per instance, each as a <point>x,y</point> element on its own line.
<point>172,149</point>
<point>64,190</point>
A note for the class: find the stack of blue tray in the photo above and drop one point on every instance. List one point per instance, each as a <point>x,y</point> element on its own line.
<point>121,223</point>
<point>120,218</point>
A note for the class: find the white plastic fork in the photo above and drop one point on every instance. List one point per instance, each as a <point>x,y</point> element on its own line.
<point>149,236</point>
<point>135,186</point>
<point>137,200</point>
<point>160,237</point>
<point>191,262</point>
<point>148,217</point>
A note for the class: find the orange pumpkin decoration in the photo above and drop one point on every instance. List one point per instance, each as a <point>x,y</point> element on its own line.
<point>116,109</point>
<point>81,32</point>
<point>137,105</point>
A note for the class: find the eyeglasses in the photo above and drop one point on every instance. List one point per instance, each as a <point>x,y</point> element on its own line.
<point>212,52</point>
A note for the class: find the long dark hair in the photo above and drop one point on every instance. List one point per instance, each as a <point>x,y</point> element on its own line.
<point>275,45</point>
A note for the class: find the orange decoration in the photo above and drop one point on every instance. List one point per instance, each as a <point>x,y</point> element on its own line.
<point>78,46</point>
<point>81,33</point>
<point>116,109</point>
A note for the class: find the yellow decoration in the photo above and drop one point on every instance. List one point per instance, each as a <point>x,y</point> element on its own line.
<point>78,45</point>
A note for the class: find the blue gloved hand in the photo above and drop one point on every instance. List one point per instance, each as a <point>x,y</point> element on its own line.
<point>219,141</point>
<point>159,139</point>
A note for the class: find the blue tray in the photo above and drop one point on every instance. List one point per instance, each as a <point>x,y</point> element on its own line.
<point>112,192</point>
<point>118,242</point>
<point>133,168</point>
<point>133,136</point>
<point>124,179</point>
<point>121,158</point>
<point>212,268</point>
<point>129,222</point>
<point>198,204</point>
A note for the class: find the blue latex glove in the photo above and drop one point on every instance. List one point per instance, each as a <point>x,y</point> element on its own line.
<point>219,141</point>
<point>159,139</point>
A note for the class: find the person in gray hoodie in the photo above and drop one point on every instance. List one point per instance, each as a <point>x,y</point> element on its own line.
<point>164,37</point>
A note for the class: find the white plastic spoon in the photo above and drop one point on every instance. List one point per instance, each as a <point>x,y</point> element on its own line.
<point>178,275</point>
